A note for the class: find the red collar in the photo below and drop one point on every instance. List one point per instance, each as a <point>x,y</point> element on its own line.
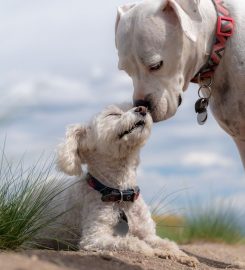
<point>225,29</point>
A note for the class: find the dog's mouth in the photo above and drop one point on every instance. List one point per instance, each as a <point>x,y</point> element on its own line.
<point>138,124</point>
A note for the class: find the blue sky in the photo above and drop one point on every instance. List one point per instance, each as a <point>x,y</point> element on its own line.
<point>59,66</point>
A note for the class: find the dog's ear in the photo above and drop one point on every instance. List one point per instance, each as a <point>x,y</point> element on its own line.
<point>70,153</point>
<point>121,11</point>
<point>188,14</point>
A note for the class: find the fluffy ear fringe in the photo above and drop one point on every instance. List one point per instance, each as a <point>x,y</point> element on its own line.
<point>68,160</point>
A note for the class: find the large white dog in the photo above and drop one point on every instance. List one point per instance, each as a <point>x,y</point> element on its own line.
<point>163,44</point>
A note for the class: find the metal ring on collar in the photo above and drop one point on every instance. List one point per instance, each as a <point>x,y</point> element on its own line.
<point>121,199</point>
<point>205,87</point>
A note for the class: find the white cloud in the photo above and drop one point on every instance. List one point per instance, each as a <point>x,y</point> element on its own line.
<point>206,159</point>
<point>19,95</point>
<point>55,90</point>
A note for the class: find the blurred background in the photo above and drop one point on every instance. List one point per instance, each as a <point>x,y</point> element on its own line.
<point>59,66</point>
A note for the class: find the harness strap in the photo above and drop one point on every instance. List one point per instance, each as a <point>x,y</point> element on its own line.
<point>112,194</point>
<point>225,29</point>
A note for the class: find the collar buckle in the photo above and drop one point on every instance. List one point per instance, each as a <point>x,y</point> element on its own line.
<point>111,194</point>
<point>225,26</point>
<point>121,198</point>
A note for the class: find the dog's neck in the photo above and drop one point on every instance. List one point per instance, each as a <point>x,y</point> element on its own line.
<point>201,49</point>
<point>115,173</point>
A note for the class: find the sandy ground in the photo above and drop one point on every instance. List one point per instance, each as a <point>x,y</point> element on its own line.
<point>211,256</point>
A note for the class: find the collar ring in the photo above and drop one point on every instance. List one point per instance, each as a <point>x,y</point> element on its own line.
<point>121,199</point>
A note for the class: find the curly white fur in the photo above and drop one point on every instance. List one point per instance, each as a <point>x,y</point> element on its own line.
<point>113,160</point>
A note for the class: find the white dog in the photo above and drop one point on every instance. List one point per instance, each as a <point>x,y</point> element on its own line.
<point>110,214</point>
<point>163,44</point>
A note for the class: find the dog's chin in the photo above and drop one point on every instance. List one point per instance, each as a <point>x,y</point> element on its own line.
<point>162,106</point>
<point>158,116</point>
<point>161,112</point>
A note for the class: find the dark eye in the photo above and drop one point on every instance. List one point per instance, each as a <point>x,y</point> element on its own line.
<point>156,67</point>
<point>179,100</point>
<point>114,114</point>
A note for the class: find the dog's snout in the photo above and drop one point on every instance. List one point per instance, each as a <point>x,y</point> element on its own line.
<point>141,102</point>
<point>141,110</point>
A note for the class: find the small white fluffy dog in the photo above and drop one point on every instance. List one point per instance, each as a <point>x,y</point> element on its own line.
<point>110,147</point>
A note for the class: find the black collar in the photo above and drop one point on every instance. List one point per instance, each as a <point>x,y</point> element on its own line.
<point>112,194</point>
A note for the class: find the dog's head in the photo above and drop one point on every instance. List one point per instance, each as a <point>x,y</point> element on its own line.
<point>155,41</point>
<point>114,134</point>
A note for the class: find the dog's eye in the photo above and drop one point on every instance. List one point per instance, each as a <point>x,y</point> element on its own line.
<point>156,67</point>
<point>114,114</point>
<point>179,100</point>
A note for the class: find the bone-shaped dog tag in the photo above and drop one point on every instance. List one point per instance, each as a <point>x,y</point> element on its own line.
<point>122,227</point>
<point>202,117</point>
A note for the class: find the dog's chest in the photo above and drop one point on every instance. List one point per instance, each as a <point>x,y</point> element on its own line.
<point>122,226</point>
<point>126,218</point>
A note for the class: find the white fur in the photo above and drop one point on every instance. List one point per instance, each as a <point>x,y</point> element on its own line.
<point>114,162</point>
<point>181,33</point>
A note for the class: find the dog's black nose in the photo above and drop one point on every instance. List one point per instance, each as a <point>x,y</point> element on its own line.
<point>141,102</point>
<point>141,110</point>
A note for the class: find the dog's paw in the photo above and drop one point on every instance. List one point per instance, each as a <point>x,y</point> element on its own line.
<point>180,258</point>
<point>187,260</point>
<point>238,265</point>
<point>164,254</point>
<point>147,251</point>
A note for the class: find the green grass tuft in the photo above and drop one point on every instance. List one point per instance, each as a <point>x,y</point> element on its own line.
<point>25,202</point>
<point>210,224</point>
<point>216,224</point>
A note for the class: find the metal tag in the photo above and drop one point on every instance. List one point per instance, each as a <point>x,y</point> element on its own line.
<point>202,117</point>
<point>201,105</point>
<point>122,227</point>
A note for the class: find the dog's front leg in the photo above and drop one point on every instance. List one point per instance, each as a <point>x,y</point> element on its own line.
<point>98,233</point>
<point>168,249</point>
<point>108,242</point>
<point>143,226</point>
